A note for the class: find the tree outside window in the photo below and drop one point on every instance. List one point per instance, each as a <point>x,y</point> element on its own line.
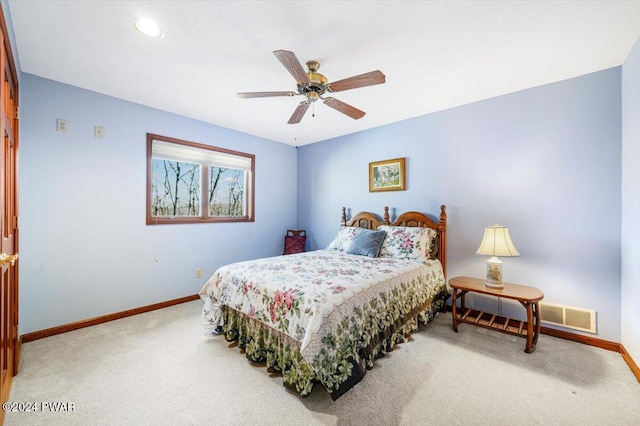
<point>194,183</point>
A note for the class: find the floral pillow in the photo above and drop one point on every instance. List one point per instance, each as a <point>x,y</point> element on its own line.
<point>412,243</point>
<point>360,241</point>
<point>342,241</point>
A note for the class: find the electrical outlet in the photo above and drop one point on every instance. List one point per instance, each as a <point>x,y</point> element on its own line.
<point>61,125</point>
<point>198,273</point>
<point>98,131</point>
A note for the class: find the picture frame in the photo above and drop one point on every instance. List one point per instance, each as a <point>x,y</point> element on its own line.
<point>387,175</point>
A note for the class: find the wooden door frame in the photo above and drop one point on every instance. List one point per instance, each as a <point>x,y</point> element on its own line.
<point>13,116</point>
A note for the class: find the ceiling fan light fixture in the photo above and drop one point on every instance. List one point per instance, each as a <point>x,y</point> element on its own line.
<point>149,28</point>
<point>312,85</point>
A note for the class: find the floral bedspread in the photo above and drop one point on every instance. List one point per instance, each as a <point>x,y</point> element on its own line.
<point>331,302</point>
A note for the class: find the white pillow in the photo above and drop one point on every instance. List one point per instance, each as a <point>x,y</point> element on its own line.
<point>342,241</point>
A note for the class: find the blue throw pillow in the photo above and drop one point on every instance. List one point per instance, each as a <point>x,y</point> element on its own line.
<point>366,242</point>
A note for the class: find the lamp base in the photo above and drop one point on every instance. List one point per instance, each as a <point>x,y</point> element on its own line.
<point>493,285</point>
<point>494,273</point>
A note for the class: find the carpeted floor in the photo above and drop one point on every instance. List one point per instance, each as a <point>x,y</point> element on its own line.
<point>159,368</point>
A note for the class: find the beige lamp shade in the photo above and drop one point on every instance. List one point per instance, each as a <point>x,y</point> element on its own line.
<point>496,242</point>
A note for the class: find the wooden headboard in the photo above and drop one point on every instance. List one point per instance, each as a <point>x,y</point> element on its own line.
<point>372,221</point>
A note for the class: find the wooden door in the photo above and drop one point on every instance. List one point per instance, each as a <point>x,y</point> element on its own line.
<point>9,350</point>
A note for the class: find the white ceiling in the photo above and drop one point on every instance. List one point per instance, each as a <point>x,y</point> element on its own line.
<point>435,54</point>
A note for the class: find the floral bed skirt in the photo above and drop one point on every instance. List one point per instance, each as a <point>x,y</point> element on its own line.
<point>341,369</point>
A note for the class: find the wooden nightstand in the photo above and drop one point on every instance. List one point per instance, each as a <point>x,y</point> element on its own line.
<point>527,296</point>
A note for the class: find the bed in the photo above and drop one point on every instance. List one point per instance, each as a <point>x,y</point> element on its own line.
<point>325,316</point>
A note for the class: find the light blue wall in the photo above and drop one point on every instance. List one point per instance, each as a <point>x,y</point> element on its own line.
<point>85,250</point>
<point>630,315</point>
<point>545,161</point>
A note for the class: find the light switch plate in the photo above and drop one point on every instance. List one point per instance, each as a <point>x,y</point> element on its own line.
<point>98,132</point>
<point>61,125</point>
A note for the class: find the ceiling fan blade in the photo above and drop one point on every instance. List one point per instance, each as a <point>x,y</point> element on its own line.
<point>265,94</point>
<point>292,64</point>
<point>346,109</point>
<point>298,113</point>
<point>363,80</point>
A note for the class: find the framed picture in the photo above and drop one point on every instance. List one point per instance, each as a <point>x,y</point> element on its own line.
<point>387,175</point>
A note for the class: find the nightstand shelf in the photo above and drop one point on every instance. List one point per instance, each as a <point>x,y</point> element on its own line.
<point>494,322</point>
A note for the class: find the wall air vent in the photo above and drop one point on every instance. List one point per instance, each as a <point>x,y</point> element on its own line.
<point>566,316</point>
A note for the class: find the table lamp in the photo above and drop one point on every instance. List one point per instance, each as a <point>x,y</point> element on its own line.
<point>496,242</point>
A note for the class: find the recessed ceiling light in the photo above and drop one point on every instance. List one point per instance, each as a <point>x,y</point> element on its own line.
<point>148,27</point>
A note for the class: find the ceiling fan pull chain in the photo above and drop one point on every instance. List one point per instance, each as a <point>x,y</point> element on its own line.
<point>313,110</point>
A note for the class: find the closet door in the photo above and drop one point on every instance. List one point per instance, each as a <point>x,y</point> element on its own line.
<point>9,350</point>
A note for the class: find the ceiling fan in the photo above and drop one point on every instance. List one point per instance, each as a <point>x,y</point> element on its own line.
<point>313,85</point>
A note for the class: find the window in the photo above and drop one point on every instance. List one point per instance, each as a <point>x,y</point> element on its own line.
<point>189,182</point>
